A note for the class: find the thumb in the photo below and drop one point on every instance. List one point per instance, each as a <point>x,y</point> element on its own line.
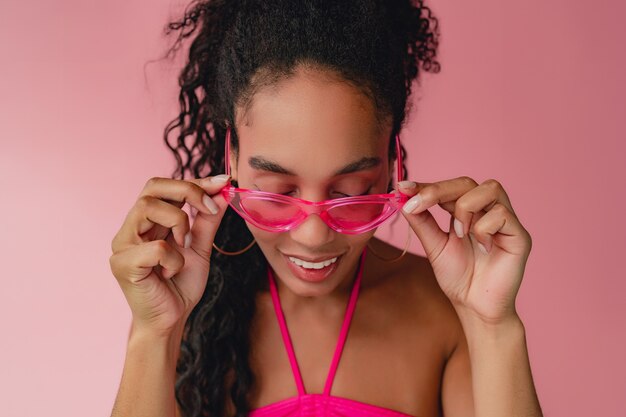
<point>205,225</point>
<point>421,220</point>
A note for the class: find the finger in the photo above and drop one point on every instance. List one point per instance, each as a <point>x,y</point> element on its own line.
<point>408,187</point>
<point>427,230</point>
<point>411,188</point>
<point>424,225</point>
<point>152,219</point>
<point>442,193</point>
<point>459,229</point>
<point>477,199</point>
<point>192,191</point>
<point>196,192</point>
<point>499,224</point>
<point>137,262</point>
<point>155,211</point>
<point>205,226</point>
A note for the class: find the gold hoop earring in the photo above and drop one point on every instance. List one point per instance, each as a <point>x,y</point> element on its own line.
<point>239,252</point>
<point>406,248</point>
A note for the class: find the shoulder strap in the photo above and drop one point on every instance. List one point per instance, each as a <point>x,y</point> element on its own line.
<point>285,333</point>
<point>342,337</point>
<point>345,327</point>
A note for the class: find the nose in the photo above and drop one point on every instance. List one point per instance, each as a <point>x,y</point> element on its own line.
<point>312,232</point>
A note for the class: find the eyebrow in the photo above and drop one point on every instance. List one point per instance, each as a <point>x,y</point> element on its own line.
<point>262,164</point>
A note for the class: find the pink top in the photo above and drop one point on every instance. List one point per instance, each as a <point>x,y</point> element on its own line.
<point>311,405</point>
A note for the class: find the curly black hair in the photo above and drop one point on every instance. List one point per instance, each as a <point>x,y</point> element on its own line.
<point>238,47</point>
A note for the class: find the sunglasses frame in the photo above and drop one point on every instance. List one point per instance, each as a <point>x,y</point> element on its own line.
<point>393,202</point>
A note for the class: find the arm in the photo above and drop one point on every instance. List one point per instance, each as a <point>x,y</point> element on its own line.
<point>488,374</point>
<point>147,385</point>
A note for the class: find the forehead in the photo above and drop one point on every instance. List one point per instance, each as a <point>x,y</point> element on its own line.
<point>313,113</point>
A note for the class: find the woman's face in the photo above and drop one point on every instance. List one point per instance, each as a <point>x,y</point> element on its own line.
<point>294,138</point>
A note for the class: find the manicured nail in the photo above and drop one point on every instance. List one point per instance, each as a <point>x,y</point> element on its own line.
<point>407,185</point>
<point>482,248</point>
<point>188,240</point>
<point>412,204</point>
<point>458,228</point>
<point>210,204</point>
<point>220,179</point>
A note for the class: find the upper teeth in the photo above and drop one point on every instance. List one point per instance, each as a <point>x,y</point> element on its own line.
<point>312,265</point>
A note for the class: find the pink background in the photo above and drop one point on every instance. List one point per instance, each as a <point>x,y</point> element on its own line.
<point>531,94</point>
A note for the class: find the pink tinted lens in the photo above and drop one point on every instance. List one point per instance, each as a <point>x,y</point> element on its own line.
<point>355,215</point>
<point>269,212</point>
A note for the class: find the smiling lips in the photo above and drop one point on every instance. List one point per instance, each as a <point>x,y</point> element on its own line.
<point>312,271</point>
<point>312,265</point>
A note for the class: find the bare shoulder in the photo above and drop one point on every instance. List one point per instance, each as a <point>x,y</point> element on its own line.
<point>412,283</point>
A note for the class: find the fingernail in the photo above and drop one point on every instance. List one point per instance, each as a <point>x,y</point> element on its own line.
<point>188,240</point>
<point>482,248</point>
<point>210,204</point>
<point>458,228</point>
<point>412,204</point>
<point>407,184</point>
<point>220,179</point>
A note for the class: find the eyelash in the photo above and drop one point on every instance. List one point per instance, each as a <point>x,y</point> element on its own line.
<point>345,195</point>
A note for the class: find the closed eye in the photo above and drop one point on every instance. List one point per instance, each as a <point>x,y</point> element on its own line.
<point>334,193</point>
<point>341,195</point>
<point>357,195</point>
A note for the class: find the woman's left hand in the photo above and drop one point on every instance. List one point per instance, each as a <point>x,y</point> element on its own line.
<point>483,284</point>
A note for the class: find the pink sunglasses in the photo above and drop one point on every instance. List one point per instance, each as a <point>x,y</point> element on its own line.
<point>280,213</point>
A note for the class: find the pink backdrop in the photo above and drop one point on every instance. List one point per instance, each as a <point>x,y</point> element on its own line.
<point>531,94</point>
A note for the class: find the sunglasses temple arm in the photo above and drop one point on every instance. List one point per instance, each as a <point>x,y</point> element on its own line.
<point>399,158</point>
<point>227,152</point>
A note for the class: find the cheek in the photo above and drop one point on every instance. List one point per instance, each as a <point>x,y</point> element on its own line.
<point>361,239</point>
<point>270,243</point>
<point>263,237</point>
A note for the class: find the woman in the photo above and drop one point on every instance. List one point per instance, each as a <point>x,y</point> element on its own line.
<point>290,104</point>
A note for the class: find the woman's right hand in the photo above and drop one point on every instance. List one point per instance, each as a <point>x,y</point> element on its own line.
<point>162,279</point>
